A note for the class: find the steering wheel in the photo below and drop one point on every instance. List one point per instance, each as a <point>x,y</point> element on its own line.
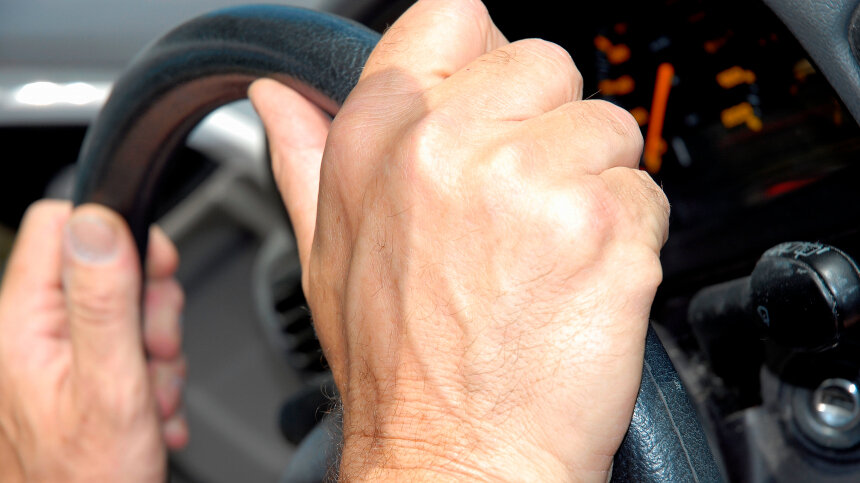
<point>211,61</point>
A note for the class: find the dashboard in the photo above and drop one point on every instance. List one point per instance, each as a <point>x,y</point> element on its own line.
<point>741,130</point>
<point>733,112</point>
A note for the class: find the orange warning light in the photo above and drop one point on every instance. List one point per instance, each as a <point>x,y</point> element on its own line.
<point>602,44</point>
<point>654,137</point>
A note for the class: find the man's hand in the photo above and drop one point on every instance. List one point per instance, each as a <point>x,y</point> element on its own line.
<point>481,257</point>
<point>78,399</point>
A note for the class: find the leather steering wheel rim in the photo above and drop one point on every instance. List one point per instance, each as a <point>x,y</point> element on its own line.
<point>210,61</point>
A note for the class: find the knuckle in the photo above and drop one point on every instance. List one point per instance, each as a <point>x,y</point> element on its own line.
<point>556,59</point>
<point>466,9</point>
<point>597,206</point>
<point>646,206</point>
<point>579,217</point>
<point>653,196</point>
<point>461,12</point>
<point>508,156</point>
<point>654,270</point>
<point>428,127</point>
<point>457,13</point>
<point>601,203</point>
<point>645,268</point>
<point>424,146</point>
<point>617,120</point>
<point>588,125</point>
<point>546,50</point>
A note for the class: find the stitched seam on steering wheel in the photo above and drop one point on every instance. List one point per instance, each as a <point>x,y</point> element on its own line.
<point>672,420</point>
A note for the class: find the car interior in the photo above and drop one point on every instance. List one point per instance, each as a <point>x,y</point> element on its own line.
<point>749,110</point>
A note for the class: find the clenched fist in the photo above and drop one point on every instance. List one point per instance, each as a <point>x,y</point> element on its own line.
<point>480,253</point>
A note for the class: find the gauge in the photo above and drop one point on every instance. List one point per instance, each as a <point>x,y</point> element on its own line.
<point>731,110</point>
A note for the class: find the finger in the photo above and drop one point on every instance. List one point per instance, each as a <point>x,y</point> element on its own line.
<point>101,278</point>
<point>32,275</point>
<point>297,132</point>
<point>162,328</point>
<point>541,74</point>
<point>645,203</point>
<point>175,432</point>
<point>431,41</point>
<point>35,261</point>
<point>162,259</point>
<point>168,382</point>
<point>582,137</point>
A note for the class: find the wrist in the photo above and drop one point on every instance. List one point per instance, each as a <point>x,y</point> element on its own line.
<point>438,451</point>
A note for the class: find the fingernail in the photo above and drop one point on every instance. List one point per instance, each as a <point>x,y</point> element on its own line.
<point>90,239</point>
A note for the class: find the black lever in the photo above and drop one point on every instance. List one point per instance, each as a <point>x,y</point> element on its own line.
<point>801,295</point>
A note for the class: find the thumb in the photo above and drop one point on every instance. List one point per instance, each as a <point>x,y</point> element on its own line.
<point>101,278</point>
<point>297,133</point>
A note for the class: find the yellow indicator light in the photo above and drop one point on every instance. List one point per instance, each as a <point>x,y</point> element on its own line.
<point>803,69</point>
<point>735,76</point>
<point>754,124</point>
<point>640,114</point>
<point>742,113</point>
<point>617,87</point>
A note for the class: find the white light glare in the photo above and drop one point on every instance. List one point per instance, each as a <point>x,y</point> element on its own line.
<point>49,93</point>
